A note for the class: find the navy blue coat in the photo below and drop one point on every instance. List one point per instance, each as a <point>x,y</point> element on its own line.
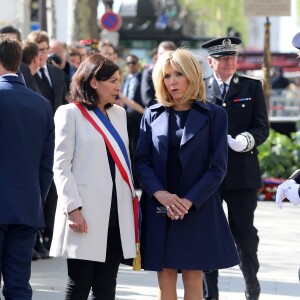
<point>202,240</point>
<point>26,153</point>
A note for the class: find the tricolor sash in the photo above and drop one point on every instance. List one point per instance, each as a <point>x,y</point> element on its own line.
<point>124,169</point>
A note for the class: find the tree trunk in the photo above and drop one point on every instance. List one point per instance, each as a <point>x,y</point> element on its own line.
<point>86,24</point>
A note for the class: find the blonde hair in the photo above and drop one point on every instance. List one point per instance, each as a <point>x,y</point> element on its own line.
<point>183,61</point>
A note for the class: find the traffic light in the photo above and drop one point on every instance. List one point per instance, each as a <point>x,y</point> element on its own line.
<point>34,11</point>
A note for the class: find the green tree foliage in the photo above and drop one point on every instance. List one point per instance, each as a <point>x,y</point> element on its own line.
<point>279,156</point>
<point>218,15</point>
<point>298,11</point>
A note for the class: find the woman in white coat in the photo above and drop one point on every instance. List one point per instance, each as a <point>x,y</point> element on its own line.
<point>94,222</point>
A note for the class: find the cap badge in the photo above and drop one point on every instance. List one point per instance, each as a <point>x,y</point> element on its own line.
<point>226,42</point>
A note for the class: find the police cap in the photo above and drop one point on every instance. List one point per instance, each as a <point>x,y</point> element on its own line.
<point>224,46</point>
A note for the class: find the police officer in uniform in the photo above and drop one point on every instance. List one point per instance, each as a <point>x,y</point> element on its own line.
<point>243,99</point>
<point>290,189</point>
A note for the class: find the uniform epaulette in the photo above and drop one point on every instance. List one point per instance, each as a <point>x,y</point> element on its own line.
<point>249,77</point>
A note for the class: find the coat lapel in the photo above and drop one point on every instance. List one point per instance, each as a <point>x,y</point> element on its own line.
<point>234,86</point>
<point>213,90</point>
<point>160,131</point>
<point>194,123</point>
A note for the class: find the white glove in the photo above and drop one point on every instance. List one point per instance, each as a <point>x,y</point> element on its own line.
<point>292,194</point>
<point>280,194</point>
<point>238,144</point>
<point>289,189</point>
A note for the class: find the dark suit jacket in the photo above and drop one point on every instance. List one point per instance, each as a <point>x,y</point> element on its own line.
<point>246,109</point>
<point>26,153</point>
<point>135,95</point>
<point>58,95</point>
<point>147,88</point>
<point>29,81</point>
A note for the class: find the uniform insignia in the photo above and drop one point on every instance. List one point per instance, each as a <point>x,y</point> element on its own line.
<point>211,80</point>
<point>226,42</point>
<point>235,80</point>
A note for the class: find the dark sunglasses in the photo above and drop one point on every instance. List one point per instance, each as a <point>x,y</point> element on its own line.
<point>131,63</point>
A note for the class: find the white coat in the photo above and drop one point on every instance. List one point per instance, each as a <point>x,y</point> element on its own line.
<point>83,179</point>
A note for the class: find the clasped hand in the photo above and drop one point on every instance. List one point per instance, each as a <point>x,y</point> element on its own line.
<point>290,190</point>
<point>176,207</point>
<point>77,222</point>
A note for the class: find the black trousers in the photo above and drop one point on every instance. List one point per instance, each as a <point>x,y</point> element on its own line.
<point>241,205</point>
<point>84,275</point>
<point>49,213</point>
<point>133,128</point>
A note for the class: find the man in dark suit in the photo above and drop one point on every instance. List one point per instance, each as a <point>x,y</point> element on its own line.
<point>147,88</point>
<point>243,99</point>
<point>26,159</point>
<point>23,72</point>
<point>50,79</point>
<point>52,85</point>
<point>132,90</point>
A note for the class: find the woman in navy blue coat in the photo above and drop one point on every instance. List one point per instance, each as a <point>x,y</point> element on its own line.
<point>180,160</point>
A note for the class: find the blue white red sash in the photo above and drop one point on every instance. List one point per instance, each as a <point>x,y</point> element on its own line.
<point>115,145</point>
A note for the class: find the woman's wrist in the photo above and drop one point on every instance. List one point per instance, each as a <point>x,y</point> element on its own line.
<point>76,209</point>
<point>157,193</point>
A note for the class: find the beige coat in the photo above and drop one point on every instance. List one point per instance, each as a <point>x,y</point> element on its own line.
<point>82,177</point>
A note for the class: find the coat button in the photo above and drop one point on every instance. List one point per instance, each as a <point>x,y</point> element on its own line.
<point>224,104</point>
<point>243,105</point>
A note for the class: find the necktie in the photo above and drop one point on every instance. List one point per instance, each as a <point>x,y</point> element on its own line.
<point>45,79</point>
<point>224,85</point>
<point>127,85</point>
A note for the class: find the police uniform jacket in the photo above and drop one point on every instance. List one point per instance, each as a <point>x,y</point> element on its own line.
<point>246,109</point>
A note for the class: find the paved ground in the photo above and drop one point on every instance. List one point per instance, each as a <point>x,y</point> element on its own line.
<point>279,255</point>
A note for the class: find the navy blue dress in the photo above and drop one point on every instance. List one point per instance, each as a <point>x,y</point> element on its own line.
<point>184,153</point>
<point>176,126</point>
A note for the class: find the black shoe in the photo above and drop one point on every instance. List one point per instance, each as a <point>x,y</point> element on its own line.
<point>35,255</point>
<point>212,298</point>
<point>252,292</point>
<point>43,252</point>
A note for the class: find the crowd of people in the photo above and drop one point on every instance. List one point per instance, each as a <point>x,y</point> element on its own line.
<point>187,142</point>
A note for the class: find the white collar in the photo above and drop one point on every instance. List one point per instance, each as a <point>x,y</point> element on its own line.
<point>220,82</point>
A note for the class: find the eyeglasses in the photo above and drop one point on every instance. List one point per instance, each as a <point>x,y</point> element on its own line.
<point>44,50</point>
<point>131,63</point>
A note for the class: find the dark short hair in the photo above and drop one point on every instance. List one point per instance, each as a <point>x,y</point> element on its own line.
<point>29,52</point>
<point>10,53</point>
<point>11,29</point>
<point>73,52</point>
<point>96,66</point>
<point>133,56</point>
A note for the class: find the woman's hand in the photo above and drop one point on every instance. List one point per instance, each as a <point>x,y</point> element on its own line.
<point>176,207</point>
<point>77,221</point>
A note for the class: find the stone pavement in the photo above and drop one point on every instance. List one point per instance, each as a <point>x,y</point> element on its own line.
<point>279,255</point>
